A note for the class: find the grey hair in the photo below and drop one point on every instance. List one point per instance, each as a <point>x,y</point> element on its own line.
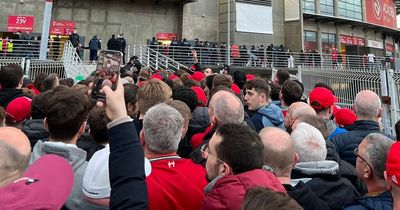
<point>309,143</point>
<point>12,163</point>
<point>162,127</point>
<point>367,107</point>
<point>227,108</point>
<point>376,151</point>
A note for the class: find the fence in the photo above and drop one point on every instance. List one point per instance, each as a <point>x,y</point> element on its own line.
<point>153,58</point>
<point>34,67</point>
<point>346,84</point>
<point>274,59</point>
<point>30,49</point>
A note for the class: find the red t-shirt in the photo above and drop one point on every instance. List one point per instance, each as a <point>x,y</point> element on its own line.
<point>175,183</point>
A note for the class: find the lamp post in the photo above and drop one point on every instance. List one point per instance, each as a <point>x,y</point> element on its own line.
<point>45,29</point>
<point>228,44</point>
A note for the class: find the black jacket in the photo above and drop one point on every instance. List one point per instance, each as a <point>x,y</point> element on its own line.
<point>35,130</point>
<point>383,201</point>
<point>127,177</point>
<point>113,44</point>
<point>345,143</point>
<point>346,169</point>
<point>9,94</point>
<point>324,179</point>
<point>121,44</point>
<point>305,197</point>
<point>74,39</point>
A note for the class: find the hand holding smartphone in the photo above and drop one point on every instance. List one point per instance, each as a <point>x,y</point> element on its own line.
<point>107,72</point>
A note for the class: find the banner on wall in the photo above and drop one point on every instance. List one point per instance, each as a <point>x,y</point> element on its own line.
<point>381,12</point>
<point>166,36</point>
<point>352,40</point>
<point>375,44</point>
<point>389,47</point>
<point>62,27</point>
<point>20,23</point>
<point>254,18</point>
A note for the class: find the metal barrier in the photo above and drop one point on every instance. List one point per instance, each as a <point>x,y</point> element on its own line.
<point>6,61</point>
<point>34,67</point>
<point>30,49</point>
<point>346,84</point>
<point>73,63</point>
<point>153,58</point>
<point>264,58</point>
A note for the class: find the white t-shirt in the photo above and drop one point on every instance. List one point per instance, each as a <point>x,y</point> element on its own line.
<point>371,57</point>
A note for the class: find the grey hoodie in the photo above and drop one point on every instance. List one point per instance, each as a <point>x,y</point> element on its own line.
<point>75,156</point>
<point>325,167</point>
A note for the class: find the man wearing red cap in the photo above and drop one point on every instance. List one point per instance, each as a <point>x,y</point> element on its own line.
<point>392,173</point>
<point>323,101</point>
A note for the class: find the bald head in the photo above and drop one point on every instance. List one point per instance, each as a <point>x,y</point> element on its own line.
<point>16,139</point>
<point>225,107</point>
<point>279,150</point>
<point>15,151</point>
<point>367,105</point>
<point>297,110</point>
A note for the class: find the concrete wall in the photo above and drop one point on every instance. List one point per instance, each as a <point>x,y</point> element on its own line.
<point>293,35</point>
<point>139,20</point>
<point>29,7</point>
<point>200,20</point>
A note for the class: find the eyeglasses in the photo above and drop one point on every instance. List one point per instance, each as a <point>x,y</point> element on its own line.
<point>205,154</point>
<point>363,159</point>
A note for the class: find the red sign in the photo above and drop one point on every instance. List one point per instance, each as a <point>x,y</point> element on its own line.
<point>381,12</point>
<point>165,36</point>
<point>20,23</point>
<point>62,27</point>
<point>351,40</point>
<point>389,48</point>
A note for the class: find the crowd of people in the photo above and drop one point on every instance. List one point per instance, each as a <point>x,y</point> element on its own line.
<point>202,139</point>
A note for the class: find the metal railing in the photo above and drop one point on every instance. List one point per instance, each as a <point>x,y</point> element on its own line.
<point>346,84</point>
<point>73,63</point>
<point>29,49</point>
<point>264,58</point>
<point>34,67</point>
<point>6,61</point>
<point>153,58</point>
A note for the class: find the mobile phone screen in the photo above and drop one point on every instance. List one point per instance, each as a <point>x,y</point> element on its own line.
<point>107,72</point>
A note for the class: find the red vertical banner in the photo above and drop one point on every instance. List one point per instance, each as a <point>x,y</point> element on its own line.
<point>20,23</point>
<point>381,12</point>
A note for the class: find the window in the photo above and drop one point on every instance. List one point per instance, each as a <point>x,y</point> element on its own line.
<point>350,9</point>
<point>326,7</point>
<point>328,42</point>
<point>309,6</point>
<point>259,2</point>
<point>310,40</point>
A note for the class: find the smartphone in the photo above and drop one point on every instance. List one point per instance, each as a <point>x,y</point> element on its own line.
<point>107,72</point>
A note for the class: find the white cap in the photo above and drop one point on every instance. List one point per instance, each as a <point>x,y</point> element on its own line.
<point>96,182</point>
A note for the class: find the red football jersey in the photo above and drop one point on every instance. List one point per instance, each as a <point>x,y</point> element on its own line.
<point>175,183</point>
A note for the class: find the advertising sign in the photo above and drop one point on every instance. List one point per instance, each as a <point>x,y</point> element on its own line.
<point>381,12</point>
<point>389,47</point>
<point>20,23</point>
<point>351,40</point>
<point>62,27</point>
<point>165,36</point>
<point>375,44</point>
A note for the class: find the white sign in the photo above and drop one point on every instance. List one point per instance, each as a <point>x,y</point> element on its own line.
<point>375,44</point>
<point>254,18</point>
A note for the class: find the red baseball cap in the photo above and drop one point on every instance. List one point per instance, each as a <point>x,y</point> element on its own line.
<point>321,98</point>
<point>198,76</point>
<point>46,184</point>
<point>18,109</point>
<point>393,164</point>
<point>250,77</point>
<point>235,88</point>
<point>344,117</point>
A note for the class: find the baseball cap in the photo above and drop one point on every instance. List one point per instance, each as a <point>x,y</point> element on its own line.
<point>321,98</point>
<point>235,88</point>
<point>393,164</point>
<point>96,182</point>
<point>250,77</point>
<point>198,76</point>
<point>46,184</point>
<point>344,117</point>
<point>18,109</point>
